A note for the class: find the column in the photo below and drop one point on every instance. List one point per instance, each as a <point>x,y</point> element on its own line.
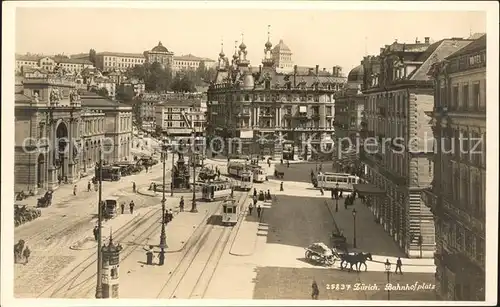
<point>258,116</point>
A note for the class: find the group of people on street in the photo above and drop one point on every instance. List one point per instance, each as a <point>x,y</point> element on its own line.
<point>21,251</point>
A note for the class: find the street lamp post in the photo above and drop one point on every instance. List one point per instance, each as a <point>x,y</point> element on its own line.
<point>193,205</point>
<point>354,224</point>
<point>388,272</point>
<point>337,198</point>
<point>172,173</point>
<point>163,236</point>
<point>98,289</point>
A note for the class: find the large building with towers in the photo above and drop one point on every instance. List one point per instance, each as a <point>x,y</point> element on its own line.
<point>271,113</point>
<point>60,130</point>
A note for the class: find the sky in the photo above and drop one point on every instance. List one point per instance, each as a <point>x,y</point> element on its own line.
<point>316,37</point>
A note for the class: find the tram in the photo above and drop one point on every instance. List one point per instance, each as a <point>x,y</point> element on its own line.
<point>235,168</point>
<point>342,181</point>
<point>259,175</point>
<point>230,211</point>
<point>217,189</point>
<point>246,179</point>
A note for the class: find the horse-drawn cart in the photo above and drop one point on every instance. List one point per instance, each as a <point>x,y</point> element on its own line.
<point>321,253</point>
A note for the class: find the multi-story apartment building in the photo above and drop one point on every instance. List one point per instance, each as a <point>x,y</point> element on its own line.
<point>277,112</point>
<point>51,132</point>
<point>457,196</point>
<point>50,63</point>
<point>160,54</point>
<point>108,61</point>
<point>349,108</point>
<point>180,117</point>
<point>282,56</point>
<point>398,94</point>
<point>107,84</point>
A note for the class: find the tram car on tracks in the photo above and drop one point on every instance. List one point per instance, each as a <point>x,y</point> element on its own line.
<point>230,211</point>
<point>243,173</point>
<point>342,181</point>
<point>217,189</point>
<point>259,174</point>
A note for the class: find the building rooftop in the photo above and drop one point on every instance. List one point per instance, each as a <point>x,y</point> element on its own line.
<point>475,46</point>
<point>122,54</point>
<point>436,53</point>
<point>281,47</point>
<point>159,48</point>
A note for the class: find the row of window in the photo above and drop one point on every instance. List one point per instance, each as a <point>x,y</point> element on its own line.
<point>456,236</point>
<point>291,98</point>
<point>126,60</point>
<point>465,96</point>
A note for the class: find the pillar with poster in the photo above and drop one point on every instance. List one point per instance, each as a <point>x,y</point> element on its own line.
<point>110,268</point>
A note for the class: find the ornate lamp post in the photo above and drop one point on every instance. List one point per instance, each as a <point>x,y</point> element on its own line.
<point>163,236</point>
<point>193,161</point>
<point>388,272</point>
<point>354,224</point>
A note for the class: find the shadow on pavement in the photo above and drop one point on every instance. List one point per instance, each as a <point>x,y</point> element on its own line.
<point>300,171</point>
<point>214,220</point>
<point>295,283</point>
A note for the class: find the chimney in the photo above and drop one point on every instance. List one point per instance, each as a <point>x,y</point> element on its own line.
<point>294,75</point>
<point>260,69</point>
<point>396,40</point>
<point>417,41</point>
<point>317,70</point>
<point>427,39</point>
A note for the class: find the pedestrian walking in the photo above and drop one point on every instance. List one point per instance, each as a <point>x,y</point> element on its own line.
<point>269,195</point>
<point>132,205</point>
<point>399,264</point>
<point>315,290</point>
<point>333,194</point>
<point>74,190</point>
<point>154,187</point>
<point>255,199</point>
<point>341,193</point>
<point>96,232</point>
<point>268,163</point>
<point>288,163</point>
<point>250,208</point>
<point>181,204</point>
<point>281,161</point>
<point>321,167</point>
<point>281,187</point>
<point>122,206</point>
<point>133,186</point>
<point>322,192</point>
<point>26,254</point>
<point>89,186</point>
<point>254,192</point>
<point>259,211</point>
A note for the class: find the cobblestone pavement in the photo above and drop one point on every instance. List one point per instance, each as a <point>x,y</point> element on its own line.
<point>301,171</point>
<point>61,226</point>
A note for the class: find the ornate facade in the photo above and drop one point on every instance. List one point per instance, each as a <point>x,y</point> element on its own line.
<point>398,95</point>
<point>54,132</point>
<point>270,113</point>
<point>160,54</point>
<point>457,196</point>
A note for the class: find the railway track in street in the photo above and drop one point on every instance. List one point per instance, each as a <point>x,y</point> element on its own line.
<point>70,284</point>
<point>192,276</point>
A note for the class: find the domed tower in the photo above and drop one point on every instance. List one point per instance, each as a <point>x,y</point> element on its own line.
<point>242,61</point>
<point>355,78</point>
<point>268,60</point>
<point>222,62</point>
<point>235,55</point>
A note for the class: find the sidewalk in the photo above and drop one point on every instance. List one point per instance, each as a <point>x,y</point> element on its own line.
<point>370,236</point>
<point>245,241</point>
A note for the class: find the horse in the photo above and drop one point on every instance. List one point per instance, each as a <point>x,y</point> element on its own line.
<point>354,259</point>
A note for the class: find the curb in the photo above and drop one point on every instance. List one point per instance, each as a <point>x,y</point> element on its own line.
<point>238,230</point>
<point>185,243</point>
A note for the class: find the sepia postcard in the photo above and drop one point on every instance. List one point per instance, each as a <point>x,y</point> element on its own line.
<point>249,153</point>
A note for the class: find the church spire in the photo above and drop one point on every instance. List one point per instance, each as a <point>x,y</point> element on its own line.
<point>268,61</point>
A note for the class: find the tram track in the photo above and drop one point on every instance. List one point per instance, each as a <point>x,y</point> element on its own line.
<point>69,278</point>
<point>211,242</point>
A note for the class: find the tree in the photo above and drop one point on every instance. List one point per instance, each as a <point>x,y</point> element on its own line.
<point>183,83</point>
<point>125,93</point>
<point>92,56</point>
<point>103,92</point>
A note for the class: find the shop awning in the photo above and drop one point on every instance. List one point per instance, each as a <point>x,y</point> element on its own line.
<point>368,189</point>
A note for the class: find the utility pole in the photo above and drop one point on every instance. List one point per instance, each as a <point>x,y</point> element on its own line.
<point>98,290</point>
<point>163,236</point>
<point>193,205</point>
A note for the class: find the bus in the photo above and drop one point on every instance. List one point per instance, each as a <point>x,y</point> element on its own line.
<point>342,181</point>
